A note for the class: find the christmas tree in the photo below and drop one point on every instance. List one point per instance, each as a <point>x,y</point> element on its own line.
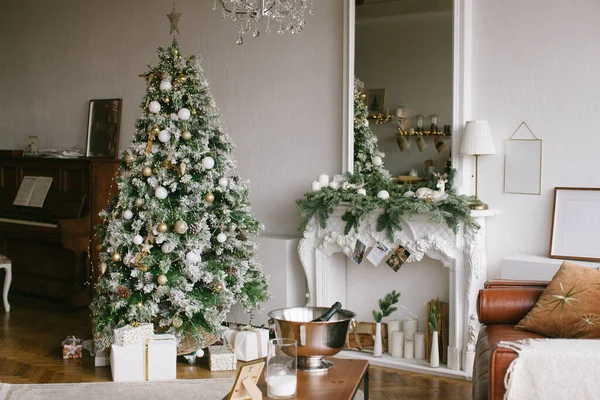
<point>177,242</point>
<point>367,157</point>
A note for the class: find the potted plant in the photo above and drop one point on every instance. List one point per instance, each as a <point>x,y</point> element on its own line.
<point>386,308</point>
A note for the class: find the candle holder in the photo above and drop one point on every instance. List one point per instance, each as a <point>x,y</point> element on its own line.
<point>282,369</point>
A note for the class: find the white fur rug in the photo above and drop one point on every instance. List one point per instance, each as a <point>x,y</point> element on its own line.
<point>197,389</point>
<point>553,369</point>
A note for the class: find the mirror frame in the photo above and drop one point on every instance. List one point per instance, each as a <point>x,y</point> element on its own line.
<point>461,104</point>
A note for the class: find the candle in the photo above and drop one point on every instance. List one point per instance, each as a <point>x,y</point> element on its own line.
<point>324,180</point>
<point>392,326</point>
<point>398,340</point>
<point>400,112</point>
<point>315,186</point>
<point>281,386</point>
<point>362,192</point>
<point>410,327</point>
<point>419,345</point>
<point>408,349</point>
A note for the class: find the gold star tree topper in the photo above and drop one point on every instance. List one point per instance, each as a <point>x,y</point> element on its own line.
<point>174,18</point>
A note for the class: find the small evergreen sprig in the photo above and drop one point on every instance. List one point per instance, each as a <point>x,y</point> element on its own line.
<point>433,315</point>
<point>386,306</point>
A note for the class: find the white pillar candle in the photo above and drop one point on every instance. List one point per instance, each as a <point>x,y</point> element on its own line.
<point>408,349</point>
<point>324,180</point>
<point>398,340</point>
<point>281,386</point>
<point>410,327</point>
<point>392,326</point>
<point>419,343</point>
<point>315,186</point>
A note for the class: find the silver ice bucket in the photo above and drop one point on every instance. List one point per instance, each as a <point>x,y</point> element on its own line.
<point>316,340</point>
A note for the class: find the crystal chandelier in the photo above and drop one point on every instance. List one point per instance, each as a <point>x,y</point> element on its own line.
<point>254,16</point>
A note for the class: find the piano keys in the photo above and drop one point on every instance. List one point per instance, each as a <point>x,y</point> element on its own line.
<point>51,247</point>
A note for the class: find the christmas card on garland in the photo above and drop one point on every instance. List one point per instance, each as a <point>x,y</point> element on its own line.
<point>177,242</point>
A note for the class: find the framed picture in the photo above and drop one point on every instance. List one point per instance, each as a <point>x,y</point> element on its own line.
<point>31,146</point>
<point>375,101</point>
<point>104,124</point>
<point>244,387</point>
<point>575,227</point>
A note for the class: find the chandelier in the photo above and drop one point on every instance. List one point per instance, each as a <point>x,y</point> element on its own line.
<point>254,16</point>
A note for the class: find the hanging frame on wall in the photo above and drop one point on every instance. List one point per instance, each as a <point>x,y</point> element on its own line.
<point>523,163</point>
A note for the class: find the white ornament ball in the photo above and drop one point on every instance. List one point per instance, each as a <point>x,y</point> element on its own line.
<point>161,192</point>
<point>127,214</point>
<point>162,279</point>
<point>223,182</point>
<point>167,248</point>
<point>154,107</point>
<point>361,192</point>
<point>192,257</point>
<point>165,86</point>
<point>138,239</point>
<point>383,194</point>
<point>164,136</point>
<point>377,161</point>
<point>221,238</point>
<point>208,162</point>
<point>184,114</point>
<point>334,185</point>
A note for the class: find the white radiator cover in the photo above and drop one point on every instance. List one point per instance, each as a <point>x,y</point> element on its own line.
<point>279,258</point>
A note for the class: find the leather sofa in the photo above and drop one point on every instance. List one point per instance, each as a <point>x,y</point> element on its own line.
<point>501,305</point>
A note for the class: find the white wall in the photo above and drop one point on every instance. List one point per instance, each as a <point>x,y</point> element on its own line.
<point>536,61</point>
<point>279,96</point>
<point>411,57</point>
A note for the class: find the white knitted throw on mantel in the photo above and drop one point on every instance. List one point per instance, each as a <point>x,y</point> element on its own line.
<point>553,369</point>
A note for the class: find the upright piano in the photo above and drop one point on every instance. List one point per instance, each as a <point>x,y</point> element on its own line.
<point>50,247</point>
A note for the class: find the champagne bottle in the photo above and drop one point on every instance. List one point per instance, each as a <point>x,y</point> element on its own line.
<point>337,306</point>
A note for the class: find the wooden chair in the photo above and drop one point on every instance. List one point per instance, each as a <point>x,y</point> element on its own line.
<point>6,264</point>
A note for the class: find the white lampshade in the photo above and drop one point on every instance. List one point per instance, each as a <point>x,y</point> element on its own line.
<point>477,139</point>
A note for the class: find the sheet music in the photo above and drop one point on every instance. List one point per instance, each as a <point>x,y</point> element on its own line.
<point>33,191</point>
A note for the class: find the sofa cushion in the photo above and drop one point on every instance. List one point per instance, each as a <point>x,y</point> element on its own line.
<point>569,307</point>
<point>491,362</point>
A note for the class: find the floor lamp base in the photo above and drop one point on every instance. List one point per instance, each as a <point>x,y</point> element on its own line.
<point>478,205</point>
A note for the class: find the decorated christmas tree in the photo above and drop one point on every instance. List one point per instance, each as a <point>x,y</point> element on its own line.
<point>367,157</point>
<point>177,242</point>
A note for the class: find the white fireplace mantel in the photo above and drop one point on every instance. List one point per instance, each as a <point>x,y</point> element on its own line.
<point>464,254</point>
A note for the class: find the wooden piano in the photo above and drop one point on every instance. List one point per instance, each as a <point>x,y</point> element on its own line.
<point>50,246</point>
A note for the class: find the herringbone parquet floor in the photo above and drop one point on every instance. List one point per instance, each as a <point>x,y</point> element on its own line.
<point>30,352</point>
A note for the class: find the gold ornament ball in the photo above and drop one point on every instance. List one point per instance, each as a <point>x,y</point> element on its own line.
<point>209,197</point>
<point>166,100</point>
<point>218,287</point>
<point>181,227</point>
<point>177,322</point>
<point>162,279</point>
<point>139,202</point>
<point>139,304</point>
<point>186,135</point>
<point>129,159</point>
<point>143,268</point>
<point>116,257</point>
<point>147,171</point>
<point>162,227</point>
<point>193,112</point>
<point>155,130</point>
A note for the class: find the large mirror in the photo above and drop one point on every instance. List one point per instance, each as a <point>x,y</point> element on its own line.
<point>403,55</point>
<point>413,57</point>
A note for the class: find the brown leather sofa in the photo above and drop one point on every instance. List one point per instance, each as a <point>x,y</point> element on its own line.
<point>501,305</point>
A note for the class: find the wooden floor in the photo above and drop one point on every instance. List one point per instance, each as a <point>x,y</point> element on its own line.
<point>30,352</point>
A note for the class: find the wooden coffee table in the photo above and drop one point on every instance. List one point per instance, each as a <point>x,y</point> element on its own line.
<point>340,382</point>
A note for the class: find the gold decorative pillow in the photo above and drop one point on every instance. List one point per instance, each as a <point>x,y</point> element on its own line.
<point>569,307</point>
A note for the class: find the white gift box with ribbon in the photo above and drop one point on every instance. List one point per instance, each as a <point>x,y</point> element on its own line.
<point>249,343</point>
<point>133,334</point>
<point>151,360</point>
<point>221,358</point>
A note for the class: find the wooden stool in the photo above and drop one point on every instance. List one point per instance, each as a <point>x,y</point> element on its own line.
<point>6,264</point>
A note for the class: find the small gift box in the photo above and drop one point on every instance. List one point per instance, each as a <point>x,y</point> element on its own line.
<point>221,358</point>
<point>134,333</point>
<point>102,342</point>
<point>71,347</point>
<point>249,343</point>
<point>153,360</point>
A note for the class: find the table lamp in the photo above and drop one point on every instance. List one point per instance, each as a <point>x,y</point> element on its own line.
<point>477,140</point>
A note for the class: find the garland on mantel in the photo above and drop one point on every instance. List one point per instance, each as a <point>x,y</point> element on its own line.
<point>397,207</point>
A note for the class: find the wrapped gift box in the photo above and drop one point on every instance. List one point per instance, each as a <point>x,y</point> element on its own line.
<point>249,343</point>
<point>128,334</point>
<point>153,360</point>
<point>71,347</point>
<point>102,342</point>
<point>221,358</point>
